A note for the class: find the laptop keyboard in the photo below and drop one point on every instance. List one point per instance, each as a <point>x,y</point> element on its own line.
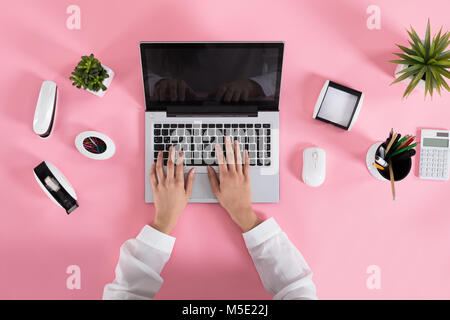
<point>198,141</point>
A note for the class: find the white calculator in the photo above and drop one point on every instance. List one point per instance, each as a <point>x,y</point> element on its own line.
<point>434,155</point>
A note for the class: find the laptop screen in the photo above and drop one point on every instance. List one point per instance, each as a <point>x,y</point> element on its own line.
<point>220,74</point>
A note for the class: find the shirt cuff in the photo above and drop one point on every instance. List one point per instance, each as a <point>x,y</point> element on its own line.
<point>264,84</point>
<point>156,239</point>
<point>261,233</point>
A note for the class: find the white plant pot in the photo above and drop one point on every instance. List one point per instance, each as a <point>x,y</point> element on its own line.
<point>106,82</point>
<point>400,67</point>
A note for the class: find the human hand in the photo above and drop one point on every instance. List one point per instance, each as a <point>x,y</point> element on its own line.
<point>233,187</point>
<point>173,90</point>
<point>239,90</point>
<point>169,191</point>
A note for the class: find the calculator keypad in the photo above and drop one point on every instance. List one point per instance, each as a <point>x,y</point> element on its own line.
<point>434,163</point>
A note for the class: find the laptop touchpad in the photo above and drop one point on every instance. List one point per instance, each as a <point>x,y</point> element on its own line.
<point>202,188</point>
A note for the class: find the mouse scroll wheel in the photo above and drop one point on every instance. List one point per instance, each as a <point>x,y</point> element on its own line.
<point>315,157</point>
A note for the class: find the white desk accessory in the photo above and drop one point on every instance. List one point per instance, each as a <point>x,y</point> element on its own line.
<point>95,145</point>
<point>314,166</point>
<point>56,186</point>
<point>338,105</point>
<point>44,114</point>
<point>434,154</point>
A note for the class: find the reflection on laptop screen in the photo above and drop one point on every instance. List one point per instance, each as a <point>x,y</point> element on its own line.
<point>219,73</point>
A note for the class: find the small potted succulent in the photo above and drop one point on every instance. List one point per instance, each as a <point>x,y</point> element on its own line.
<point>92,76</point>
<point>425,63</point>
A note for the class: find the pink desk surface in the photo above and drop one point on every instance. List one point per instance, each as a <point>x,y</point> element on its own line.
<point>341,228</point>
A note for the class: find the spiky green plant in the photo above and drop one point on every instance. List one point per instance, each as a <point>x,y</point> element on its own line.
<point>426,59</point>
<point>89,74</point>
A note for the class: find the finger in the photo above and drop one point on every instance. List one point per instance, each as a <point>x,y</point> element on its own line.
<point>229,154</point>
<point>246,164</point>
<point>192,94</point>
<point>179,176</point>
<point>173,90</point>
<point>162,90</point>
<point>236,95</point>
<point>190,182</point>
<point>153,180</point>
<point>159,168</point>
<point>220,92</point>
<point>182,90</point>
<point>228,95</point>
<point>213,180</point>
<point>156,92</point>
<point>238,157</point>
<point>170,164</point>
<point>245,95</point>
<point>221,159</point>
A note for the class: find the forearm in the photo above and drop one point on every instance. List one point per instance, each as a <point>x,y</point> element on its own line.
<point>281,267</point>
<point>140,263</point>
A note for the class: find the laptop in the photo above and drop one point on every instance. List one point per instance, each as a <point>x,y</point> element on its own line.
<point>196,93</point>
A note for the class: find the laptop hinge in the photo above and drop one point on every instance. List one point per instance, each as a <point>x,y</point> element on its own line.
<point>212,111</point>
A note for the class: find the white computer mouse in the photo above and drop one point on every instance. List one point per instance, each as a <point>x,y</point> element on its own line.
<point>314,166</point>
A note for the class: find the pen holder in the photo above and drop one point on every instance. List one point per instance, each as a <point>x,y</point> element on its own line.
<point>400,167</point>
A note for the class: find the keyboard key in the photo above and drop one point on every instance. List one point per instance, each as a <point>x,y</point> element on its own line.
<point>181,125</point>
<point>241,125</point>
<point>249,125</point>
<point>266,125</point>
<point>204,125</point>
<point>158,139</point>
<point>166,139</point>
<point>257,125</point>
<point>166,125</point>
<point>173,125</point>
<point>157,125</point>
<point>165,132</point>
<point>211,125</point>
<point>219,125</point>
<point>227,125</point>
<point>157,132</point>
<point>234,125</point>
<point>158,147</point>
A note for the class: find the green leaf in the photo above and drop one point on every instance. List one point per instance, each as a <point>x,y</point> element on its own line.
<point>399,61</point>
<point>427,37</point>
<point>444,56</point>
<point>407,58</point>
<point>415,48</point>
<point>404,76</point>
<point>406,50</point>
<point>435,83</point>
<point>444,72</point>
<point>414,69</point>
<point>428,84</point>
<point>414,83</point>
<point>419,59</point>
<point>417,42</point>
<point>443,44</point>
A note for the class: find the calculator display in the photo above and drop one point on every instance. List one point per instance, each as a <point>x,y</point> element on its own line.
<point>440,143</point>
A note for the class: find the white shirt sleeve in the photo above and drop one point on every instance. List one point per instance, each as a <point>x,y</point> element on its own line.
<point>267,82</point>
<point>281,267</point>
<point>140,263</point>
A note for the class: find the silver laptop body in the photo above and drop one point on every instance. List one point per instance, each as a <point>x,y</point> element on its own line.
<point>185,108</point>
